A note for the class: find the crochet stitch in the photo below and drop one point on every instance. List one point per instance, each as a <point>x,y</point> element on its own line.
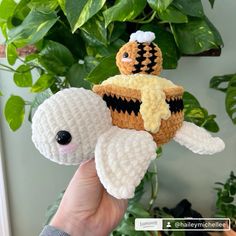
<point>80,112</point>
<point>122,155</point>
<point>122,122</point>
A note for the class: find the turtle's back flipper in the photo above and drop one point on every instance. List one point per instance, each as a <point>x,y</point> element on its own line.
<point>198,140</point>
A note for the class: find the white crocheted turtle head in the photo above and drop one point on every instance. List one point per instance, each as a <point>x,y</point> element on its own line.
<point>66,127</point>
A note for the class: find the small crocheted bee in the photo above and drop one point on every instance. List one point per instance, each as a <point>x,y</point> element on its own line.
<point>122,122</point>
<point>140,55</point>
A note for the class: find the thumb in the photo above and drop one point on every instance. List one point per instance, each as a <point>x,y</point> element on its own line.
<point>87,170</point>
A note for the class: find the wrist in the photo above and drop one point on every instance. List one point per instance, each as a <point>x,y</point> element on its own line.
<point>68,224</point>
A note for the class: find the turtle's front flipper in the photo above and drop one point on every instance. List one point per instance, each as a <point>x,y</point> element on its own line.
<point>198,140</point>
<point>122,158</point>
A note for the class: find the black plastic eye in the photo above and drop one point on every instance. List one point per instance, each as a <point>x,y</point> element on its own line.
<point>125,55</point>
<point>63,137</point>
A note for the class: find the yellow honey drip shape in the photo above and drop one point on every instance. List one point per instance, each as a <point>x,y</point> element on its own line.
<point>153,107</point>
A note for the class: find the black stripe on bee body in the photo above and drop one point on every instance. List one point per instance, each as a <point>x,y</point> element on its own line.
<point>116,103</point>
<point>175,105</point>
<point>151,58</point>
<point>122,105</point>
<point>140,58</point>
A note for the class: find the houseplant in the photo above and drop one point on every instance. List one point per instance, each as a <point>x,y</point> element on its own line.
<point>225,204</point>
<point>75,42</point>
<point>62,58</point>
<point>227,84</point>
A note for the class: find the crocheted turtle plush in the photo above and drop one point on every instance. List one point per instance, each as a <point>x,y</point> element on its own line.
<point>121,122</point>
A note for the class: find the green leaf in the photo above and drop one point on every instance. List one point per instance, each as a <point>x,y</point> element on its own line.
<point>159,5</point>
<point>173,15</point>
<point>74,42</point>
<point>166,42</point>
<point>44,82</point>
<point>227,199</point>
<point>22,76</point>
<point>21,10</point>
<point>76,76</point>
<point>230,99</point>
<point>159,152</point>
<point>7,8</point>
<point>11,54</point>
<point>14,112</point>
<point>190,100</point>
<point>116,29</point>
<point>79,12</point>
<point>106,68</point>
<point>127,229</point>
<point>138,210</point>
<point>44,5</point>
<point>221,82</point>
<point>34,27</point>
<point>38,99</point>
<point>56,58</point>
<point>62,5</point>
<point>193,112</point>
<point>31,57</point>
<point>232,190</point>
<point>124,10</point>
<point>218,39</point>
<point>105,51</point>
<point>52,209</point>
<point>196,36</point>
<point>195,115</point>
<point>94,31</point>
<point>190,7</point>
<point>211,124</point>
<point>90,63</point>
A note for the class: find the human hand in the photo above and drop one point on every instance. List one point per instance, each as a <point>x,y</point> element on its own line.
<point>86,208</point>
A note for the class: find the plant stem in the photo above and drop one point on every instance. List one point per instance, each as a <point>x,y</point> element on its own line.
<point>143,21</point>
<point>5,70</point>
<point>8,67</point>
<point>28,103</point>
<point>154,186</point>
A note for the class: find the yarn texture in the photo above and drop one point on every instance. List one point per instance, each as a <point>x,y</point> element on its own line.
<point>142,36</point>
<point>122,158</point>
<point>121,122</point>
<point>198,140</point>
<point>80,112</point>
<point>129,88</point>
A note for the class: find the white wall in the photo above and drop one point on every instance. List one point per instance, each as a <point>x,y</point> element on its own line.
<point>34,182</point>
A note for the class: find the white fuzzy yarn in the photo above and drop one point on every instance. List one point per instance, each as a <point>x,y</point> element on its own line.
<point>198,140</point>
<point>122,158</point>
<point>81,112</point>
<point>142,36</point>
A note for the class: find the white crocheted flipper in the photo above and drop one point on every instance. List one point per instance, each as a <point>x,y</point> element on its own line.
<point>198,140</point>
<point>122,157</point>
<point>66,127</point>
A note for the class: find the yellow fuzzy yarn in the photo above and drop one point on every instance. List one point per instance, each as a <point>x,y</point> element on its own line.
<point>154,107</point>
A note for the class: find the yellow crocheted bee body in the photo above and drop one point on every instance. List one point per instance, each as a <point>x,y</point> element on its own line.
<point>143,58</point>
<point>138,98</point>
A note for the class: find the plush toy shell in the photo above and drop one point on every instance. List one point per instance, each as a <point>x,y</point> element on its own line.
<point>79,112</point>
